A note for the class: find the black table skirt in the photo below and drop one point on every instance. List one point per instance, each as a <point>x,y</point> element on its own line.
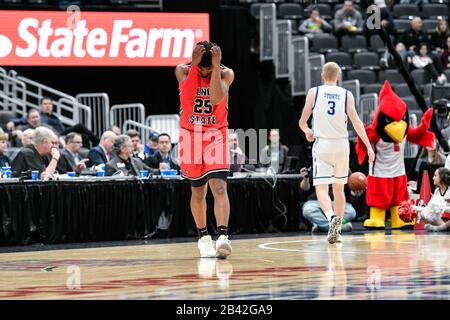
<point>69,211</point>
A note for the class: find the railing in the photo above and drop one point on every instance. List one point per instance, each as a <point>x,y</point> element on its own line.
<point>301,77</point>
<point>410,148</point>
<point>268,32</point>
<point>367,104</point>
<point>120,113</point>
<point>143,129</point>
<point>165,123</point>
<point>99,104</point>
<point>284,64</point>
<point>15,89</point>
<point>79,113</point>
<point>316,63</point>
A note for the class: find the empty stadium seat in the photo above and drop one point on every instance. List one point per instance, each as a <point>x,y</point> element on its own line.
<point>367,60</point>
<point>372,88</point>
<point>406,10</point>
<point>391,75</point>
<point>343,59</point>
<point>325,43</point>
<point>434,10</point>
<point>254,10</point>
<point>364,76</point>
<point>290,11</point>
<point>411,103</point>
<point>402,25</point>
<point>402,90</point>
<point>376,43</point>
<point>420,77</point>
<point>354,43</point>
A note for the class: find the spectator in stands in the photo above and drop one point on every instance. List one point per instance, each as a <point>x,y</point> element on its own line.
<point>445,55</point>
<point>123,163</point>
<point>387,60</point>
<point>311,209</point>
<point>33,121</point>
<point>27,136</point>
<point>413,37</point>
<point>431,155</point>
<point>72,159</point>
<point>348,20</point>
<point>314,24</point>
<point>33,156</point>
<point>138,147</point>
<point>439,36</point>
<point>102,153</point>
<point>152,144</point>
<point>162,159</point>
<point>4,160</point>
<point>237,156</point>
<point>115,129</point>
<point>387,22</point>
<point>432,65</point>
<point>274,156</point>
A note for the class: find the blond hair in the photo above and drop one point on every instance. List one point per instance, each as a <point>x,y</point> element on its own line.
<point>331,71</point>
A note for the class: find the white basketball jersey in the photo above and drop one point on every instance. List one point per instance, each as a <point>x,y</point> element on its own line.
<point>330,112</point>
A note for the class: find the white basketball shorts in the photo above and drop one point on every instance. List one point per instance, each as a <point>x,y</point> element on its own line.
<point>330,161</point>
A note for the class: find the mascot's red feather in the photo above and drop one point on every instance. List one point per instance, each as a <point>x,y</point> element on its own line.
<point>387,181</point>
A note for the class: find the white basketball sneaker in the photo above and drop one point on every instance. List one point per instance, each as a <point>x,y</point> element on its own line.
<point>206,247</point>
<point>223,247</point>
<point>334,230</point>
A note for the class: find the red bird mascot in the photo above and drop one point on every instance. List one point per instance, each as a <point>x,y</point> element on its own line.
<point>387,181</point>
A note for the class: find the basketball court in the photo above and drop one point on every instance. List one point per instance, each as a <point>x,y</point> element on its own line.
<point>370,265</point>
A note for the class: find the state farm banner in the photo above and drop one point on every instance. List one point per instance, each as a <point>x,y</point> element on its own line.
<point>55,38</point>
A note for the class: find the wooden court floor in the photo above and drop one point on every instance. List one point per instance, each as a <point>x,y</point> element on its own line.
<point>373,265</point>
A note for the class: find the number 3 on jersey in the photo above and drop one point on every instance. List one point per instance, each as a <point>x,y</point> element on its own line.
<point>331,106</point>
<point>202,106</point>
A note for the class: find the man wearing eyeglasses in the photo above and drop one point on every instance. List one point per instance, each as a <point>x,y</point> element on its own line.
<point>71,157</point>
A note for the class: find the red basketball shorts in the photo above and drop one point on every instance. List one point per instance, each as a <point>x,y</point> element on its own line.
<point>202,153</point>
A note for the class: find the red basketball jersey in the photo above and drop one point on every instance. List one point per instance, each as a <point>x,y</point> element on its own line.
<point>195,105</point>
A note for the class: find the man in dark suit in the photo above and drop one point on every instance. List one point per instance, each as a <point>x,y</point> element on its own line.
<point>162,158</point>
<point>102,153</point>
<point>71,158</point>
<point>124,162</point>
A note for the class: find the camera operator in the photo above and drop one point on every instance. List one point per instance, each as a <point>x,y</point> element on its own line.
<point>311,209</point>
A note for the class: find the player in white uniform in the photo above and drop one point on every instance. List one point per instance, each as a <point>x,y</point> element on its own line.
<point>330,105</point>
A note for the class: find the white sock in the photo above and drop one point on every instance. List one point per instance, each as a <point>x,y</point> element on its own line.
<point>329,214</point>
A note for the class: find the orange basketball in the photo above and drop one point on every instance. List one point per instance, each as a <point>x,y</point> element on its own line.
<point>357,181</point>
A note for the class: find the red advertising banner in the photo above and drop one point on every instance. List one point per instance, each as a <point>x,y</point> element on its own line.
<point>55,38</point>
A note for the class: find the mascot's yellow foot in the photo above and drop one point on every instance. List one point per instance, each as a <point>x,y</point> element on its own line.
<point>377,217</point>
<point>397,223</point>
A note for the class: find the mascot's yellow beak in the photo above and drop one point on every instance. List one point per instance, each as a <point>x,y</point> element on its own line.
<point>396,130</point>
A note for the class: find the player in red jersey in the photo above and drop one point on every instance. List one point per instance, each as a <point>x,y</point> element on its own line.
<point>204,85</point>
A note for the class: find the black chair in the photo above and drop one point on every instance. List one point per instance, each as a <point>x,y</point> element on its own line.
<point>325,43</point>
<point>391,75</point>
<point>354,43</point>
<point>406,10</point>
<point>420,77</point>
<point>434,10</point>
<point>343,59</point>
<point>429,25</point>
<point>411,103</point>
<point>402,25</point>
<point>367,60</point>
<point>402,90</point>
<point>376,43</point>
<point>372,88</point>
<point>290,11</point>
<point>364,76</point>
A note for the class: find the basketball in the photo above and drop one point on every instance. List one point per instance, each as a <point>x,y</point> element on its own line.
<point>357,181</point>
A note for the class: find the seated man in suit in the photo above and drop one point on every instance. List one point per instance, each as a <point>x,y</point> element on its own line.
<point>162,158</point>
<point>124,162</point>
<point>102,153</point>
<point>71,158</point>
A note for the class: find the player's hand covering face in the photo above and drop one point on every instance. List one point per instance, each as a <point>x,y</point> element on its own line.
<point>216,56</point>
<point>197,55</point>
